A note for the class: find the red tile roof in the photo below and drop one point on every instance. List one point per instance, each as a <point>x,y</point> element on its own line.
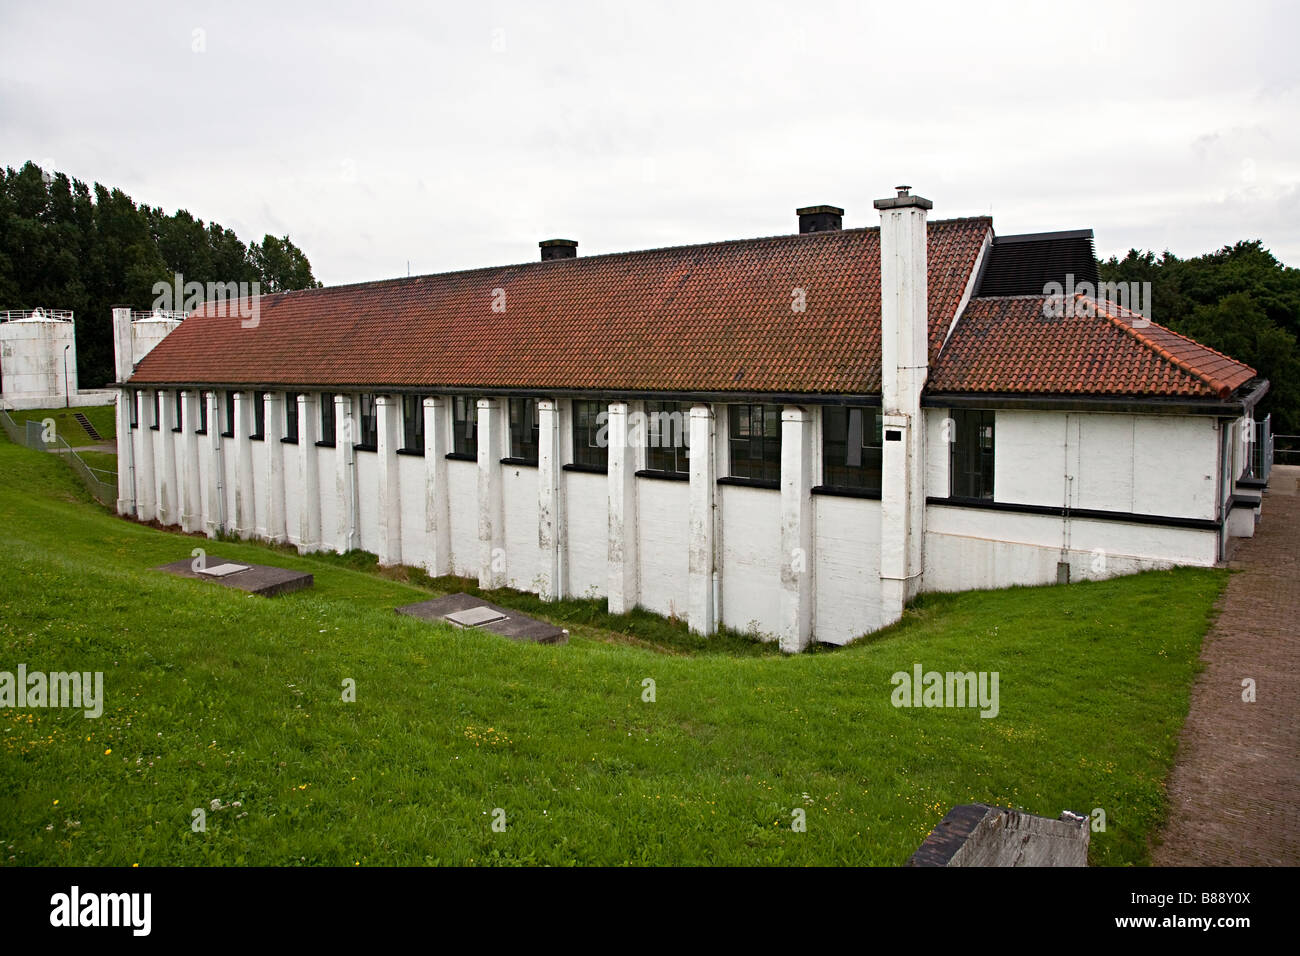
<point>713,317</point>
<point>1010,345</point>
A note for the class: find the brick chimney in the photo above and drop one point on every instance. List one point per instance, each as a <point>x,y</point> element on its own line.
<point>904,366</point>
<point>820,218</point>
<point>558,249</point>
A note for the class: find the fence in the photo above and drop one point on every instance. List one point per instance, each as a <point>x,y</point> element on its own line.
<point>1259,462</point>
<point>1289,453</point>
<point>100,482</point>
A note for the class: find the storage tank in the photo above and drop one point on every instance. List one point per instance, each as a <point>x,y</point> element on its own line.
<point>38,358</point>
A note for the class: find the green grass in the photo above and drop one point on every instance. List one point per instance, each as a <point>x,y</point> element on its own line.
<point>103,461</point>
<point>216,695</point>
<point>102,417</point>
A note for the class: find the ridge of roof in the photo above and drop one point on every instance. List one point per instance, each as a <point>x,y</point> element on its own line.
<point>569,263</point>
<point>1126,325</point>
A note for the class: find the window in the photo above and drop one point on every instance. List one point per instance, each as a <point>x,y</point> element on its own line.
<point>464,426</point>
<point>259,416</point>
<point>369,423</point>
<point>229,431</point>
<point>754,434</point>
<point>590,434</point>
<point>157,411</point>
<point>291,417</point>
<point>135,409</point>
<point>971,457</point>
<point>851,443</point>
<point>327,435</point>
<point>413,424</point>
<point>668,437</point>
<point>523,429</point>
<point>178,407</point>
<point>203,414</point>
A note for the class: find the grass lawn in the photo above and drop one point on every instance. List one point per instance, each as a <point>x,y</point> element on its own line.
<point>211,695</point>
<point>102,417</point>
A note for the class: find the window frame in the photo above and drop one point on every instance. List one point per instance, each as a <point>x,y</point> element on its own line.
<point>367,422</point>
<point>525,430</point>
<point>464,429</point>
<point>972,454</point>
<point>867,476</point>
<point>157,411</point>
<point>763,469</point>
<point>229,404</point>
<point>672,459</point>
<point>588,453</point>
<point>179,409</point>
<point>259,417</point>
<point>412,425</point>
<point>290,435</point>
<point>135,407</point>
<point>329,429</point>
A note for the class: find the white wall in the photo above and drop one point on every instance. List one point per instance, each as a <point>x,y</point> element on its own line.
<point>462,492</point>
<point>519,493</point>
<point>663,545</point>
<point>751,558</point>
<point>588,532</point>
<point>846,583</point>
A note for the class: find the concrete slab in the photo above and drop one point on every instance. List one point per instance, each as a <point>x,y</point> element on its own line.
<point>512,624</point>
<point>254,578</point>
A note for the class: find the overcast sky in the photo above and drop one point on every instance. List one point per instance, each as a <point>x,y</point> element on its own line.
<point>458,135</point>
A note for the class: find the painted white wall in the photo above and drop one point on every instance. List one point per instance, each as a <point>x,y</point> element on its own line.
<point>462,490</point>
<point>751,559</point>
<point>32,361</point>
<point>588,530</point>
<point>663,533</point>
<point>846,572</point>
<point>519,507</point>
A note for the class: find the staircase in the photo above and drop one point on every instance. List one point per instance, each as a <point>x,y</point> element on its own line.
<point>84,422</point>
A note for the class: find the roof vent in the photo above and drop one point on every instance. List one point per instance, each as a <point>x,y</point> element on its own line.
<point>820,218</point>
<point>558,249</point>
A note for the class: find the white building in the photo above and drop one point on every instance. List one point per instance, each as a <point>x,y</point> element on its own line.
<point>792,435</point>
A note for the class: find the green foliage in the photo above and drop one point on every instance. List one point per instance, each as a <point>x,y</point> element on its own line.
<point>65,245</point>
<point>1239,300</point>
<point>214,695</point>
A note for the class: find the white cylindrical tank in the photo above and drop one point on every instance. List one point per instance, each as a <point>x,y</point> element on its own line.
<point>150,328</point>
<point>38,358</point>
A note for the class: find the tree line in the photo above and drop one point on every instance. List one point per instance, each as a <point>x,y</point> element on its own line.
<point>1239,300</point>
<point>66,245</point>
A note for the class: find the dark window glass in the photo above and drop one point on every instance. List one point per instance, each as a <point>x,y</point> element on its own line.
<point>754,434</point>
<point>259,416</point>
<point>327,432</point>
<point>668,437</point>
<point>464,425</point>
<point>134,399</point>
<point>523,429</point>
<point>369,422</point>
<point>972,454</point>
<point>851,443</point>
<point>203,414</point>
<point>413,423</point>
<point>590,434</point>
<point>178,406</point>
<point>157,410</point>
<point>230,415</point>
<point>291,416</point>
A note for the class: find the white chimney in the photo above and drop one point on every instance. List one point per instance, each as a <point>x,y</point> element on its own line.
<point>904,366</point>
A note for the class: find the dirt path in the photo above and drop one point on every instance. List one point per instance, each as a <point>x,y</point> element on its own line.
<point>1235,787</point>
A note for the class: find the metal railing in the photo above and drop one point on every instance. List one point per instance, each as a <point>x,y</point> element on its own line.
<point>100,482</point>
<point>1259,457</point>
<point>18,315</point>
<point>1289,454</point>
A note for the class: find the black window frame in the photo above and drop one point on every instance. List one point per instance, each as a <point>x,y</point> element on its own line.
<point>259,417</point>
<point>157,411</point>
<point>229,401</point>
<point>328,421</point>
<point>290,435</point>
<point>464,427</point>
<point>664,459</point>
<point>367,421</point>
<point>179,409</point>
<point>525,430</point>
<point>971,454</point>
<point>412,425</point>
<point>839,443</point>
<point>753,457</point>
<point>588,451</point>
<point>135,407</point>
<point>203,414</point>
